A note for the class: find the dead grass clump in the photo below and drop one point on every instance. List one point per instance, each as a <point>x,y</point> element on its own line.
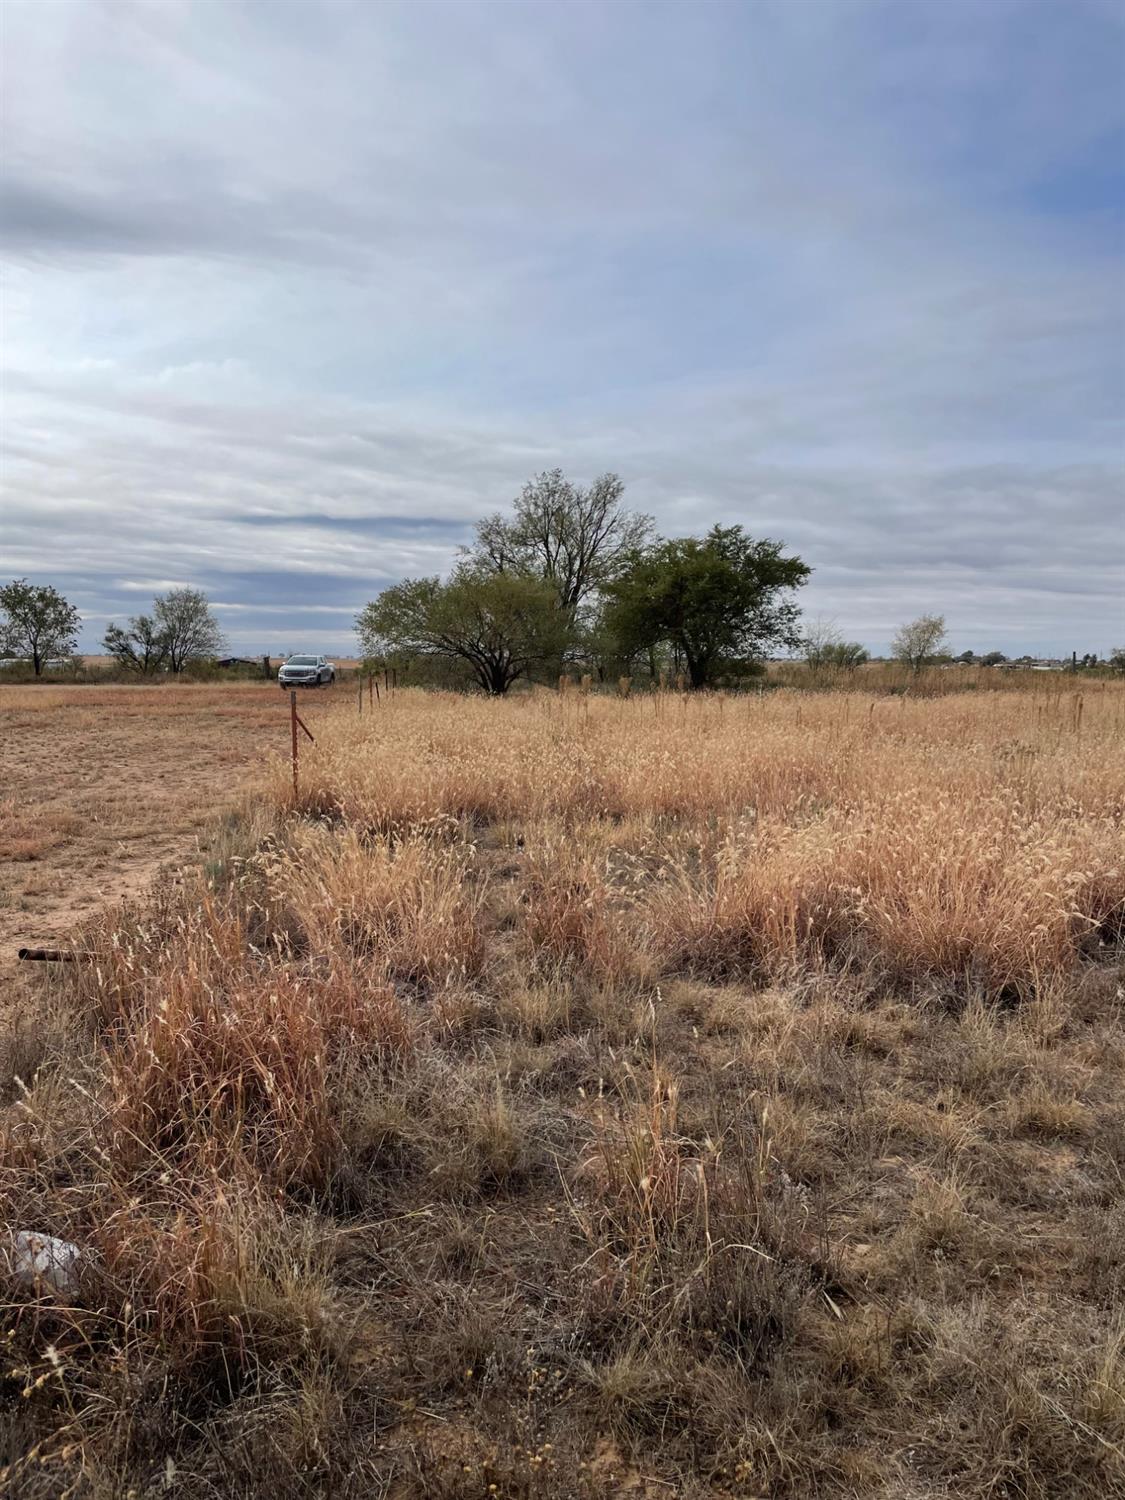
<point>1000,902</point>
<point>540,1009</point>
<point>28,833</point>
<point>572,914</point>
<point>44,1033</point>
<point>186,940</point>
<point>1048,1113</point>
<point>997,906</point>
<point>222,1281</point>
<point>250,1072</point>
<point>639,1392</point>
<point>488,1141</point>
<point>759,909</point>
<point>407,907</point>
<point>186,1301</point>
<point>708,1235</point>
<point>461,1340</point>
<point>1006,1409</point>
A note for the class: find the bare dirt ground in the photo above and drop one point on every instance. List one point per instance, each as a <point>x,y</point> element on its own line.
<point>104,787</point>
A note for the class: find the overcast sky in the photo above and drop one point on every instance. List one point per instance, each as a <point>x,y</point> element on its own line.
<point>296,291</point>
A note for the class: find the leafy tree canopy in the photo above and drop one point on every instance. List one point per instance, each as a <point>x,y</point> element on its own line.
<point>37,622</point>
<point>717,600</point>
<point>844,655</point>
<point>502,624</point>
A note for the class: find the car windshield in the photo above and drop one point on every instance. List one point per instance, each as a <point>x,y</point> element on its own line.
<point>301,661</point>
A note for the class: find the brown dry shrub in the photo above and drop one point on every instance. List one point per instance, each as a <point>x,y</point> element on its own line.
<point>250,1071</point>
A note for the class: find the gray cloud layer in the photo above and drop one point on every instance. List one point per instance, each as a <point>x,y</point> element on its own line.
<point>295,292</point>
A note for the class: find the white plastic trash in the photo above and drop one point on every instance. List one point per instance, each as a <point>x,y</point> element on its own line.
<point>44,1262</point>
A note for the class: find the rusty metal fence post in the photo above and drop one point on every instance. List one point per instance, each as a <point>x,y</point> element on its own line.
<point>293,726</point>
<point>295,720</point>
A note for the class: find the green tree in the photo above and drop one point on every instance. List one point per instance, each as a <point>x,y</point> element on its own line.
<point>717,601</point>
<point>184,621</point>
<point>846,655</point>
<point>37,622</point>
<point>992,659</point>
<point>919,641</point>
<point>824,647</point>
<point>139,646</point>
<point>1117,659</point>
<point>577,539</point>
<point>502,624</point>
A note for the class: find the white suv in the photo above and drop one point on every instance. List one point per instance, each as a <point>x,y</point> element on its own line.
<point>306,671</point>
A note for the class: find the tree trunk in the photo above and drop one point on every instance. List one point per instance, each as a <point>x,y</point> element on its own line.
<point>496,682</point>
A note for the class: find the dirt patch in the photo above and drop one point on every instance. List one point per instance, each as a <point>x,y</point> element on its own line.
<point>103,788</point>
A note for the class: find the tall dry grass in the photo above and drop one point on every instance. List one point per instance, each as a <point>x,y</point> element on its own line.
<point>976,840</point>
<point>578,1095</point>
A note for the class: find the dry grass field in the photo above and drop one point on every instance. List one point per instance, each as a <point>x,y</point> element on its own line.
<point>102,788</point>
<point>573,1096</point>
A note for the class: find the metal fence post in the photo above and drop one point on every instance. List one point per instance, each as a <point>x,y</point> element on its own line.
<point>293,726</point>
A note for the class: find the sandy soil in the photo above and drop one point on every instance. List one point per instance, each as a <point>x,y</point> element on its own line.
<point>102,788</point>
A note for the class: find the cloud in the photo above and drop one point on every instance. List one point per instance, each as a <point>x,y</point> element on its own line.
<point>295,293</point>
